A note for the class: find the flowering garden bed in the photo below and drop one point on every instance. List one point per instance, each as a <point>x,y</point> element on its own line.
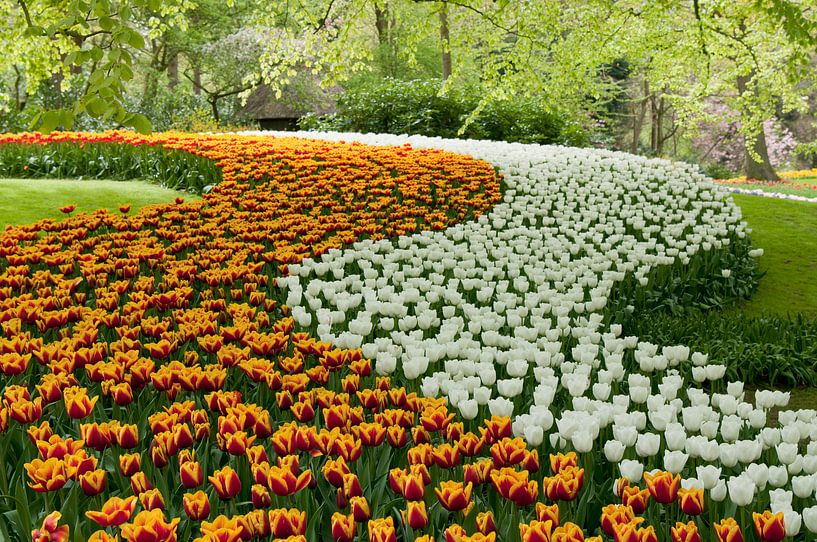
<point>344,341</point>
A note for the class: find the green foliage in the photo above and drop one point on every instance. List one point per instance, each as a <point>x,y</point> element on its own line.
<point>718,171</point>
<point>422,107</point>
<point>774,350</point>
<point>174,169</point>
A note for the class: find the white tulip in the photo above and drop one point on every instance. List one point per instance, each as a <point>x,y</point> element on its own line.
<point>810,518</point>
<point>647,444</point>
<point>709,475</point>
<point>614,451</point>
<point>674,462</point>
<point>631,469</point>
<point>741,490</point>
<point>792,522</point>
<point>803,486</point>
<point>718,493</point>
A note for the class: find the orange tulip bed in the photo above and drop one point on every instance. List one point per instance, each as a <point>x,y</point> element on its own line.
<point>153,381</point>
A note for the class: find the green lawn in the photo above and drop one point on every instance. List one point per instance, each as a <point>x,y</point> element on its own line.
<point>787,232</point>
<point>27,200</point>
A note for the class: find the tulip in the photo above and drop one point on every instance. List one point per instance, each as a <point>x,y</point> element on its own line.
<point>663,486</point>
<point>415,515</point>
<point>741,490</point>
<point>152,499</point>
<point>559,461</point>
<point>115,511</point>
<point>614,515</point>
<point>260,496</point>
<point>454,495</point>
<point>344,527</point>
<point>485,522</point>
<point>222,529</point>
<point>191,474</point>
<point>226,483</point>
<point>48,475</point>
<point>150,526</point>
<point>692,501</point>
<point>769,527</point>
<point>685,532</point>
<point>728,530</point>
<point>196,505</point>
<point>49,531</point>
<point>93,482</point>
<point>547,513</point>
<point>129,464</point>
<point>382,530</point>
<point>536,531</point>
<point>569,532</point>
<point>77,403</point>
<point>102,536</point>
<point>139,483</point>
<point>810,518</point>
<point>360,509</point>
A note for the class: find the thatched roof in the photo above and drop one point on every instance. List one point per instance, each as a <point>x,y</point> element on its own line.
<point>297,99</point>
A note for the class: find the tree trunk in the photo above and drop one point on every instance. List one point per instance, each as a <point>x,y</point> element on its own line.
<point>173,71</point>
<point>762,170</point>
<point>638,119</point>
<point>196,81</point>
<point>381,22</point>
<point>214,107</point>
<point>445,42</point>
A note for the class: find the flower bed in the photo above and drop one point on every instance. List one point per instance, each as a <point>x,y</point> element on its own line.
<point>408,386</point>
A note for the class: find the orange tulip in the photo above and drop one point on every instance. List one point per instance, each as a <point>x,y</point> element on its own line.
<point>226,483</point>
<point>663,486</point>
<point>548,513</point>
<point>49,531</point>
<point>286,523</point>
<point>415,515</point>
<point>102,536</point>
<point>569,532</point>
<point>485,522</point>
<point>77,403</point>
<point>344,527</point>
<point>635,497</point>
<point>196,505</point>
<point>283,483</point>
<point>191,474</point>
<point>691,501</point>
<point>515,486</point>
<point>360,509</point>
<point>93,482</point>
<point>260,496</point>
<point>222,529</point>
<point>129,464</point>
<point>614,515</point>
<point>150,526</point>
<point>536,531</point>
<point>685,532</point>
<point>769,527</point>
<point>382,530</point>
<point>564,486</point>
<point>560,461</point>
<point>728,530</point>
<point>454,495</point>
<point>115,511</point>
<point>48,475</point>
<point>152,500</point>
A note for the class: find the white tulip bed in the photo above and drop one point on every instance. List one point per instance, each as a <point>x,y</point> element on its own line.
<point>512,315</point>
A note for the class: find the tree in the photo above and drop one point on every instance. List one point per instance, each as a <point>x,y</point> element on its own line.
<point>61,38</point>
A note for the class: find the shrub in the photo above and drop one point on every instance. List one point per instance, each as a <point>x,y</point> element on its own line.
<point>419,108</point>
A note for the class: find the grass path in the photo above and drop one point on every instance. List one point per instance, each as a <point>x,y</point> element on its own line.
<point>787,232</point>
<point>24,201</point>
